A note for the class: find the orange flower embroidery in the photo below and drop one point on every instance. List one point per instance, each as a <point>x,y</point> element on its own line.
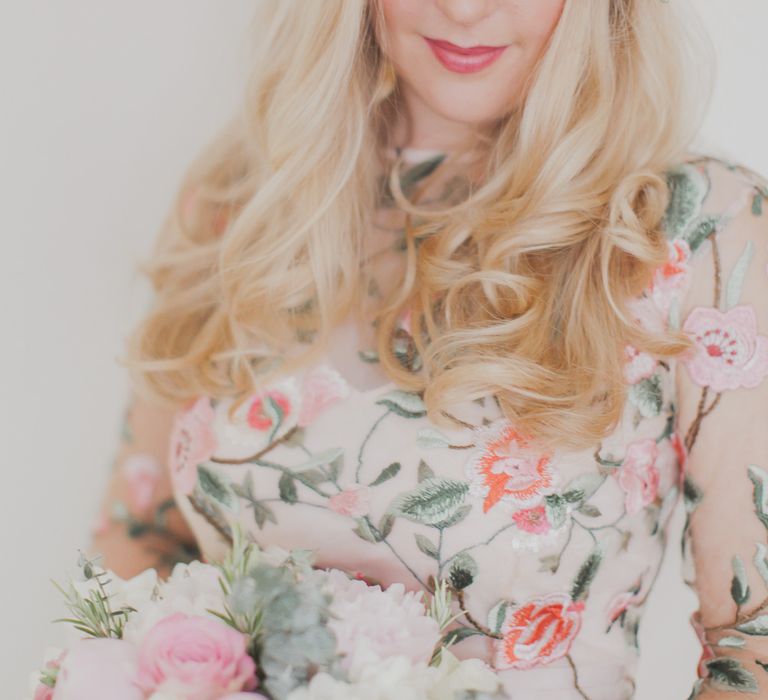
<point>504,468</point>
<point>538,632</point>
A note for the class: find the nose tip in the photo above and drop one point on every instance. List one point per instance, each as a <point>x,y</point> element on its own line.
<point>466,12</point>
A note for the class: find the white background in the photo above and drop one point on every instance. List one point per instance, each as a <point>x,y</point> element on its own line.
<point>103,106</point>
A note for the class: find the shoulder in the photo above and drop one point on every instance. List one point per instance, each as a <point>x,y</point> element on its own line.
<point>706,193</point>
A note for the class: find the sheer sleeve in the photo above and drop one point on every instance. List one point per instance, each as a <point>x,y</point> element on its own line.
<point>138,524</point>
<point>720,229</point>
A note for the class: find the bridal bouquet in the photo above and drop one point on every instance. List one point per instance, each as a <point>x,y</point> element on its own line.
<point>263,624</point>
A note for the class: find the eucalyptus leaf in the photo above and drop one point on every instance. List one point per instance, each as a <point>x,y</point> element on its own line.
<point>387,473</point>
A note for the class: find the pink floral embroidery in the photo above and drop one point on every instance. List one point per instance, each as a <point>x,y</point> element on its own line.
<point>637,365</point>
<point>729,353</point>
<point>638,476</point>
<point>353,501</point>
<point>322,387</point>
<point>673,277</point>
<point>142,472</point>
<point>257,417</point>
<point>505,468</point>
<point>192,442</point>
<point>45,692</point>
<point>538,632</point>
<point>532,520</point>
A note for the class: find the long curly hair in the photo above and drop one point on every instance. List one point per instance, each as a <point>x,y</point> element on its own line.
<point>519,290</point>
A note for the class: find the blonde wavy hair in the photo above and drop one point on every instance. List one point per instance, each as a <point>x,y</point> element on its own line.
<point>519,291</point>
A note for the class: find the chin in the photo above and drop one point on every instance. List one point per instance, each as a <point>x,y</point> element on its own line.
<point>467,104</point>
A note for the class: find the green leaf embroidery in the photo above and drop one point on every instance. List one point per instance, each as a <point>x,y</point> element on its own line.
<point>587,483</point>
<point>757,204</point>
<point>364,531</point>
<point>687,189</point>
<point>731,642</point>
<point>275,413</point>
<point>424,471</point>
<point>760,561</point>
<point>586,574</point>
<point>419,171</point>
<point>728,673</point>
<point>430,438</point>
<point>739,586</point>
<point>287,487</point>
<point>386,474</point>
<point>462,570</point>
<point>736,278</point>
<point>692,494</point>
<point>590,511</point>
<point>385,525</point>
<point>426,546</point>
<point>407,404</point>
<point>458,634</point>
<point>218,487</point>
<point>705,226</point>
<point>451,520</point>
<point>647,395</point>
<point>755,628</point>
<point>432,501</point>
<point>555,508</point>
<point>496,616</point>
<point>760,492</point>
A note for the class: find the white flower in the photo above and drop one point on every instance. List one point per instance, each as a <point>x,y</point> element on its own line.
<point>371,622</point>
<point>191,588</point>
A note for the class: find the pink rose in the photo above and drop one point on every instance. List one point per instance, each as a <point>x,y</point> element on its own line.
<point>142,472</point>
<point>322,387</point>
<point>729,353</point>
<point>637,365</point>
<point>354,501</point>
<point>94,669</point>
<point>532,520</point>
<point>195,656</point>
<point>192,442</point>
<point>638,475</point>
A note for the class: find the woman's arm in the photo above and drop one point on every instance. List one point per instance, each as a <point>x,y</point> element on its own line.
<point>723,425</point>
<point>139,525</point>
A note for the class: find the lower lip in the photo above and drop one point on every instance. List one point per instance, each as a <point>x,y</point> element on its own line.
<point>465,62</point>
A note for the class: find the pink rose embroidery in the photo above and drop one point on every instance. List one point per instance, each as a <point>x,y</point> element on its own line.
<point>637,365</point>
<point>192,442</point>
<point>673,277</point>
<point>353,501</point>
<point>195,657</point>
<point>141,472</point>
<point>638,476</point>
<point>322,387</point>
<point>533,520</point>
<point>729,353</point>
<point>538,632</point>
<point>505,468</point>
<point>257,417</point>
<point>45,692</point>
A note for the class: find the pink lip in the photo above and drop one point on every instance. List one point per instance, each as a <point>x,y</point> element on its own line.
<point>461,59</point>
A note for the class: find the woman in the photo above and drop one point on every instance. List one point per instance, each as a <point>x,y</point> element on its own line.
<point>452,299</point>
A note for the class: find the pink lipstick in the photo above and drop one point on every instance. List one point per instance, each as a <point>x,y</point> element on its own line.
<point>460,59</point>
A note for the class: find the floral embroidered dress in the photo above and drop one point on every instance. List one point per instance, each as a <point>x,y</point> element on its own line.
<point>551,555</point>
